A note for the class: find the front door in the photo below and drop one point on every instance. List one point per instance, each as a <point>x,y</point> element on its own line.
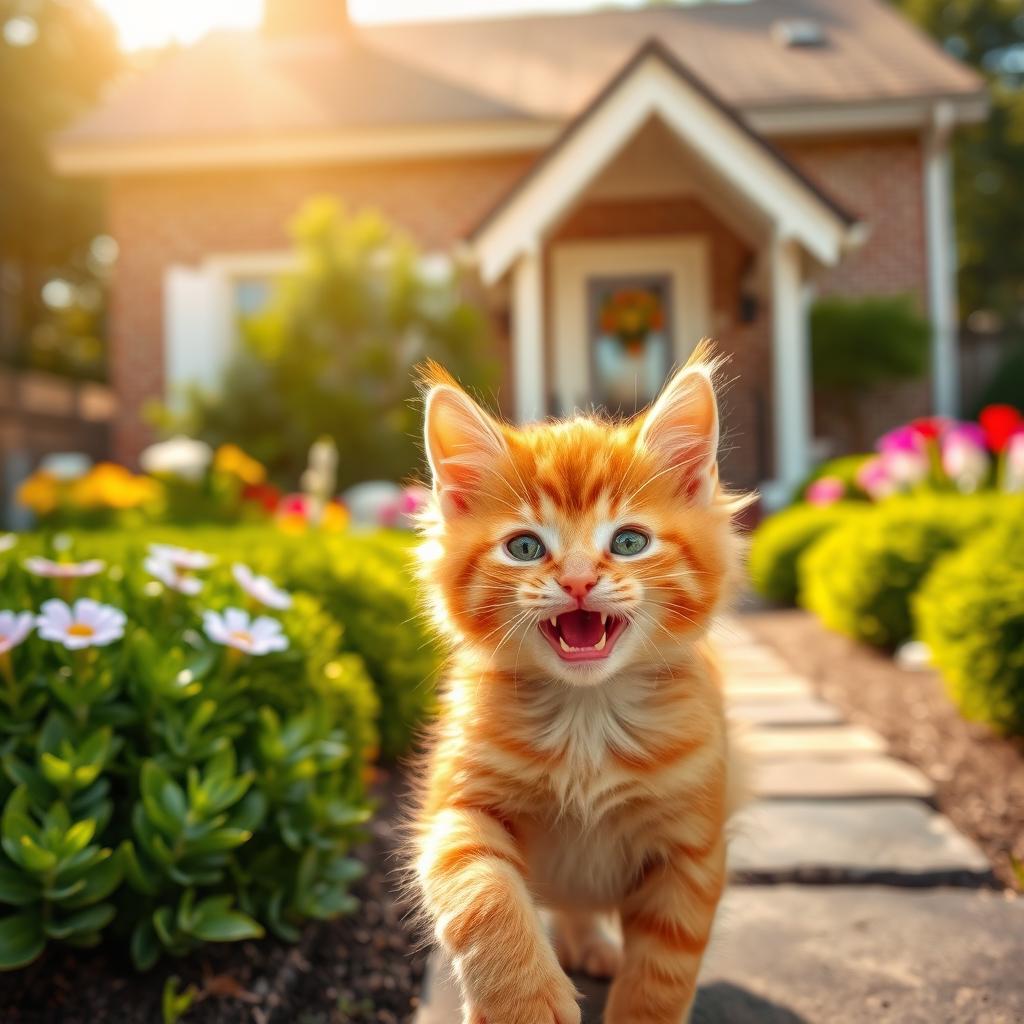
<point>623,313</point>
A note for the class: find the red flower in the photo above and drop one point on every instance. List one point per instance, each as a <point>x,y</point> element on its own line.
<point>1000,423</point>
<point>929,427</point>
<point>262,494</point>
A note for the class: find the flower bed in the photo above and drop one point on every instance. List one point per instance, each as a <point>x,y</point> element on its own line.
<point>180,765</point>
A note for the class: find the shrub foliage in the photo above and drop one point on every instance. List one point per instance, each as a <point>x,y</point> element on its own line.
<point>970,612</point>
<point>169,790</point>
<point>859,579</point>
<point>780,540</point>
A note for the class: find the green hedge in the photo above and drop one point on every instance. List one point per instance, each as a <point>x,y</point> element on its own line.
<point>364,580</point>
<point>859,579</point>
<point>970,612</point>
<point>168,789</point>
<point>781,539</point>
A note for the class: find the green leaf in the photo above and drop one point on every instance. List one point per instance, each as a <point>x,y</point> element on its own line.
<point>85,922</point>
<point>17,889</point>
<point>224,925</point>
<point>138,876</point>
<point>21,940</point>
<point>34,857</point>
<point>77,838</point>
<point>100,882</point>
<point>145,945</point>
<point>163,799</point>
<point>163,922</point>
<point>56,771</point>
<point>219,841</point>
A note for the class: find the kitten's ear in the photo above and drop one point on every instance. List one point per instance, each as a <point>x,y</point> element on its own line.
<point>462,442</point>
<point>681,428</point>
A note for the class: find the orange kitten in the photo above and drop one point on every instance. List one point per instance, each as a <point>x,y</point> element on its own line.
<point>581,761</point>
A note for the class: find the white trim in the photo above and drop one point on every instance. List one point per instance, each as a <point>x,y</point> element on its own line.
<point>844,118</point>
<point>653,89</point>
<point>528,336</point>
<point>150,156</point>
<point>942,298</point>
<point>684,260</point>
<point>791,368</point>
<point>200,328</point>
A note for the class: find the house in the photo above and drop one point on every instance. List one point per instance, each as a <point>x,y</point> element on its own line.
<point>625,181</point>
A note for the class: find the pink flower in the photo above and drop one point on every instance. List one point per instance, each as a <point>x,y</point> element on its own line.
<point>64,570</point>
<point>905,452</point>
<point>874,479</point>
<point>825,490</point>
<point>965,459</point>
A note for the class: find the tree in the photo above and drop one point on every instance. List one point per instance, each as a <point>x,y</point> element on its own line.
<point>335,352</point>
<point>55,58</point>
<point>989,158</point>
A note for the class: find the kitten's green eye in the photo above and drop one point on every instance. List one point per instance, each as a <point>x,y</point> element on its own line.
<point>629,542</point>
<point>525,548</point>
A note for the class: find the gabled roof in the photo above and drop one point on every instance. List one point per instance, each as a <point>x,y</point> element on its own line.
<point>552,65</point>
<point>521,77</point>
<point>654,84</point>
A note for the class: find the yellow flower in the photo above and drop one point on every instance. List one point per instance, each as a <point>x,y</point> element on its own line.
<point>109,486</point>
<point>232,460</point>
<point>335,517</point>
<point>40,493</point>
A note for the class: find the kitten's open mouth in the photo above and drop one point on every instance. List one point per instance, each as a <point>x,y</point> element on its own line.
<point>583,635</point>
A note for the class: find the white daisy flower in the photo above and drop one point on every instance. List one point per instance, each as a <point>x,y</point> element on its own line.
<point>182,457</point>
<point>14,627</point>
<point>251,636</point>
<point>182,558</point>
<point>7,541</point>
<point>172,577</point>
<point>87,623</point>
<point>64,570</point>
<point>261,589</point>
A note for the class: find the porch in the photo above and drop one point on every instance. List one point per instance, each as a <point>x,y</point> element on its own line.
<point>659,219</point>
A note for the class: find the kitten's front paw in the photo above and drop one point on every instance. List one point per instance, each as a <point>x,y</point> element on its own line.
<point>553,1002</point>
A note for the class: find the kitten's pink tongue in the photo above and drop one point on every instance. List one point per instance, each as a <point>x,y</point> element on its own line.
<point>581,628</point>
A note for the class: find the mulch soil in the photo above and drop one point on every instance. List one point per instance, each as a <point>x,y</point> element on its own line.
<point>363,969</point>
<point>978,776</point>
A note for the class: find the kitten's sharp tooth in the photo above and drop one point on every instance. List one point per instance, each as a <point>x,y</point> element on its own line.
<point>604,618</point>
<point>563,644</point>
<point>599,646</point>
<point>553,621</point>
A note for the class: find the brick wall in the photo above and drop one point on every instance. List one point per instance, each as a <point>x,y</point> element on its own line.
<point>159,221</point>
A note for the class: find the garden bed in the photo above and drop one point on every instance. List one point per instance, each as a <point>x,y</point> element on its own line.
<point>363,969</point>
<point>978,776</point>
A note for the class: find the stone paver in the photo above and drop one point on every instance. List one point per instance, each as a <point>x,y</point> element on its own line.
<point>869,775</point>
<point>783,687</point>
<point>902,841</point>
<point>785,711</point>
<point>804,741</point>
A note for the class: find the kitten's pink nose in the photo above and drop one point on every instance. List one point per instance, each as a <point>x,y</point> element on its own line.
<point>578,585</point>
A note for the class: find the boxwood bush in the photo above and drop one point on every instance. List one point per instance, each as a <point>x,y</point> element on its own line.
<point>364,581</point>
<point>781,539</point>
<point>172,773</point>
<point>859,578</point>
<point>970,612</point>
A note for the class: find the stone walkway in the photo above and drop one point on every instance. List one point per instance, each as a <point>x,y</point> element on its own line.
<point>854,900</point>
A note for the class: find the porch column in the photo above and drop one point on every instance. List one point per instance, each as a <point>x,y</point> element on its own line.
<point>942,306</point>
<point>791,365</point>
<point>528,335</point>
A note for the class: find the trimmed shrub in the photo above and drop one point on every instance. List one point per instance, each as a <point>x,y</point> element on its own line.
<point>970,612</point>
<point>859,578</point>
<point>169,779</point>
<point>780,540</point>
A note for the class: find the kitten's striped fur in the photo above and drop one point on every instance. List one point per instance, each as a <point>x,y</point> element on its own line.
<point>599,789</point>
